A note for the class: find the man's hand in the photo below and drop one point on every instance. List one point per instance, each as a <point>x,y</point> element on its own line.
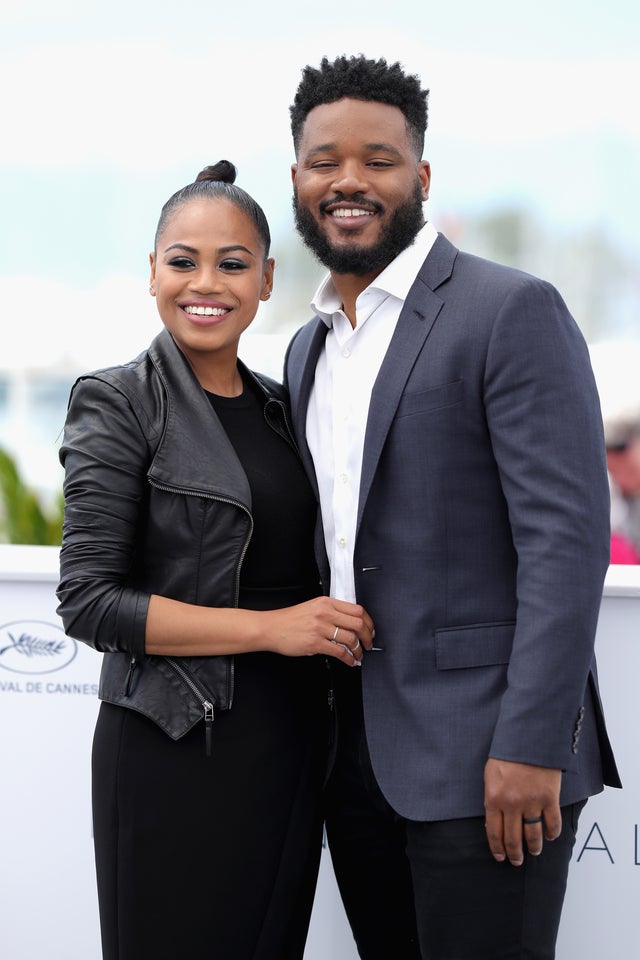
<point>522,808</point>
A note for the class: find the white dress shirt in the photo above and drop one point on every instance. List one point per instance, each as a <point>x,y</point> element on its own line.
<point>339,402</point>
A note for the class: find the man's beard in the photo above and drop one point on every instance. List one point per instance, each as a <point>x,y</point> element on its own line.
<point>362,260</point>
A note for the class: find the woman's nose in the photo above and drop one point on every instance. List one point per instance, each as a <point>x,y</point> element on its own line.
<point>207,280</point>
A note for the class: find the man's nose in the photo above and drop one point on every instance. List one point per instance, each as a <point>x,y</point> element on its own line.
<point>350,178</point>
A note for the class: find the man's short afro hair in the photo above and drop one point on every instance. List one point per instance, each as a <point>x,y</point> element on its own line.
<point>361,79</point>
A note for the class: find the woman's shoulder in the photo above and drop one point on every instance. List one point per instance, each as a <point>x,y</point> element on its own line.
<point>134,376</point>
<point>129,389</point>
<point>126,378</point>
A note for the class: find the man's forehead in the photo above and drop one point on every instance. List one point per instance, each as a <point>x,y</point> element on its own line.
<point>369,120</point>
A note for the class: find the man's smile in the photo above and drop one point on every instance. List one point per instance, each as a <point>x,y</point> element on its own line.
<point>351,212</point>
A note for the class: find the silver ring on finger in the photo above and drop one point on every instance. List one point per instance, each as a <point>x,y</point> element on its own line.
<point>356,646</point>
<point>335,634</point>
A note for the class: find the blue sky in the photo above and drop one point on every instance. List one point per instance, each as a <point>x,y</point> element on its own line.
<point>108,108</point>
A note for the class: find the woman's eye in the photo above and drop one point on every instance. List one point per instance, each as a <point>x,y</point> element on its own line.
<point>233,265</point>
<point>182,263</point>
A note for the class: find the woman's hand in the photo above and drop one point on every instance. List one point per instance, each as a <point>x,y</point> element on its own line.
<point>334,628</point>
<point>323,625</point>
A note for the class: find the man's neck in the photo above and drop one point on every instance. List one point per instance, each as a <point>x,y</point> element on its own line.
<point>349,286</point>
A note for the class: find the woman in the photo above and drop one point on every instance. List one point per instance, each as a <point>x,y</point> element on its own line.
<point>187,560</point>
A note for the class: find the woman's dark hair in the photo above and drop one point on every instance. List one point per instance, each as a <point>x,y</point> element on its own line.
<point>362,79</point>
<point>217,180</point>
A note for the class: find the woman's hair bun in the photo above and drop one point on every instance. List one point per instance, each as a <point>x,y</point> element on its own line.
<point>223,171</point>
<point>217,181</point>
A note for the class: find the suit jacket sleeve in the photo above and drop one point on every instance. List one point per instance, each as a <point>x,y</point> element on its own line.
<point>544,421</point>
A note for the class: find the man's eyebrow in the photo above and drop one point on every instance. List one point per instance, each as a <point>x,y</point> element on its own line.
<point>322,148</point>
<point>370,147</point>
<point>384,147</point>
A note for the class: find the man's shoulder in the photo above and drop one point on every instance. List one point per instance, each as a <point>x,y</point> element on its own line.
<point>470,265</point>
<point>305,335</point>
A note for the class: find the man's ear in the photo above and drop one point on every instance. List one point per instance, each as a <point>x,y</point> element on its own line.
<point>424,176</point>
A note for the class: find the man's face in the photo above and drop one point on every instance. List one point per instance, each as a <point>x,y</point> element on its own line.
<point>358,187</point>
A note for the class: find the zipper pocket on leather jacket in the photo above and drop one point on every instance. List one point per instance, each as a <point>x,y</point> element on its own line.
<point>127,683</point>
<point>202,699</point>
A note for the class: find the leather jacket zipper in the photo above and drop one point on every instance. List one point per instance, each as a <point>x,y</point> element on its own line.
<point>201,697</point>
<point>206,704</point>
<point>127,684</point>
<point>235,503</point>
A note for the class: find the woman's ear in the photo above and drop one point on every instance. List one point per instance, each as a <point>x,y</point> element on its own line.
<point>267,281</point>
<point>152,278</point>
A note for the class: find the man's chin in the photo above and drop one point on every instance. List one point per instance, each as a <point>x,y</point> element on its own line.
<point>352,246</point>
<point>356,240</point>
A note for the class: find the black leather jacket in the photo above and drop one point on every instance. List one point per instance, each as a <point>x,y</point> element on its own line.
<point>156,501</point>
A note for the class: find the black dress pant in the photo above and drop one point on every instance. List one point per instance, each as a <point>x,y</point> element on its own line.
<point>432,890</point>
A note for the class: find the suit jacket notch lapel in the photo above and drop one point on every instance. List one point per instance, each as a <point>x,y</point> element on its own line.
<point>414,325</point>
<point>415,322</point>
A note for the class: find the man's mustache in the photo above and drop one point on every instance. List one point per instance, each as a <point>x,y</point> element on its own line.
<point>356,198</point>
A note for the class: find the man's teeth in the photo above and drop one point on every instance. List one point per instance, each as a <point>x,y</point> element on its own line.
<point>207,311</point>
<point>356,212</point>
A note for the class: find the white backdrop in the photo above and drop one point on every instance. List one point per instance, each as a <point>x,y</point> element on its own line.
<point>48,704</point>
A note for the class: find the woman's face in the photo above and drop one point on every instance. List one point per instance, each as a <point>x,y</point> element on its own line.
<point>208,275</point>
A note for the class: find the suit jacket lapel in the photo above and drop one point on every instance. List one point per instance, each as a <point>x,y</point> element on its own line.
<point>414,325</point>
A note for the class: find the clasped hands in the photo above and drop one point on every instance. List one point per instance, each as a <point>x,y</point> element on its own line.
<point>522,808</point>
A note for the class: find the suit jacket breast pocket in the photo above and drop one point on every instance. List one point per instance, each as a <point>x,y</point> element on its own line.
<point>427,401</point>
<point>477,645</point>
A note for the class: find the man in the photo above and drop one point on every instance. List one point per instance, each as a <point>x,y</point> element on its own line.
<point>446,410</point>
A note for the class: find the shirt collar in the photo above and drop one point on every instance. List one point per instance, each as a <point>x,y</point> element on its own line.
<point>396,278</point>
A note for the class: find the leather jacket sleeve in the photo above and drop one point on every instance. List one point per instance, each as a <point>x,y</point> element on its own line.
<point>106,451</point>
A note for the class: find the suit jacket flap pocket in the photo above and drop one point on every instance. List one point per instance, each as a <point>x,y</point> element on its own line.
<point>426,401</point>
<point>479,645</point>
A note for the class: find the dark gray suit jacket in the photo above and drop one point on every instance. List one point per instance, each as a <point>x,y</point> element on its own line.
<point>482,539</point>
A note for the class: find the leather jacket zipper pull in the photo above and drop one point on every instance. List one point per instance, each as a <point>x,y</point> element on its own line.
<point>127,685</point>
<point>208,727</point>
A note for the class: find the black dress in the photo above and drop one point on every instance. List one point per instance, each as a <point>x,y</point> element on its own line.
<point>215,857</point>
